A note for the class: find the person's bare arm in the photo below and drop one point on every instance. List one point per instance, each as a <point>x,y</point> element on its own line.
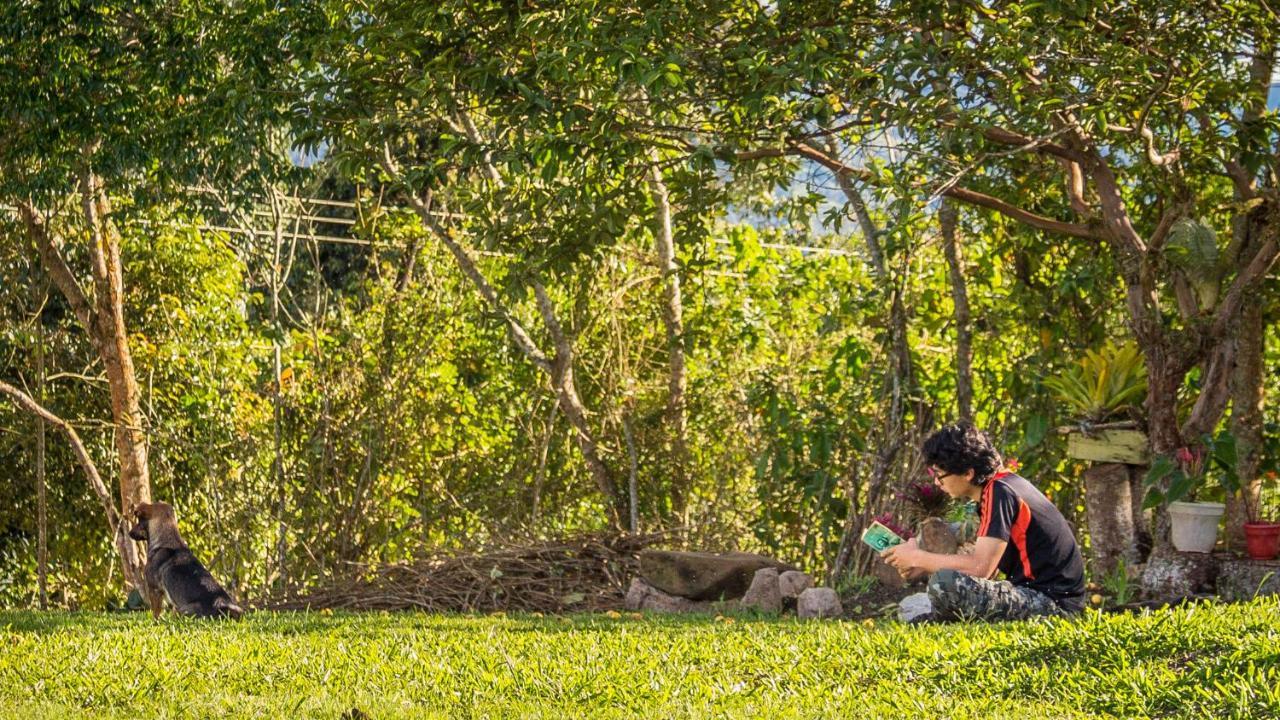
<point>909,558</point>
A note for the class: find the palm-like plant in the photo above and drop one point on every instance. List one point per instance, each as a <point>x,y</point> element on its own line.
<point>1104,384</point>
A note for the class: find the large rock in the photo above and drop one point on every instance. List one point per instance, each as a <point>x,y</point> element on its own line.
<point>643,596</point>
<point>936,536</point>
<point>764,594</point>
<point>793,582</point>
<point>821,602</point>
<point>701,575</point>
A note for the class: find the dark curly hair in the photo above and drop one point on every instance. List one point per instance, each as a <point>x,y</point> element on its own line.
<point>960,447</point>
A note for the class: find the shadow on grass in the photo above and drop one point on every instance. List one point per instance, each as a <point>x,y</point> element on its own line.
<point>359,623</point>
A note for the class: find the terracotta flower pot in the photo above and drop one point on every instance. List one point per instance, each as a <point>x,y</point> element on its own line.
<point>1262,540</point>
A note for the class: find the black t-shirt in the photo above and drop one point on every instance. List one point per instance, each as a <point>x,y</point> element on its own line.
<point>1042,552</point>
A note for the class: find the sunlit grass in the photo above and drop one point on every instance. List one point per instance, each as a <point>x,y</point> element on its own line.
<point>1207,660</point>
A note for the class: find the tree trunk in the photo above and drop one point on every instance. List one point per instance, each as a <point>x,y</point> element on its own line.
<point>1246,420</point>
<point>540,477</point>
<point>1163,381</point>
<point>562,381</point>
<point>1141,525</point>
<point>104,323</point>
<point>1247,377</point>
<point>1110,511</point>
<point>633,471</point>
<point>113,345</point>
<point>947,217</point>
<point>891,435</point>
<point>673,320</point>
<point>277,407</point>
<point>42,500</point>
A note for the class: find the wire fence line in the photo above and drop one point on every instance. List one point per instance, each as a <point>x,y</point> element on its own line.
<point>311,217</point>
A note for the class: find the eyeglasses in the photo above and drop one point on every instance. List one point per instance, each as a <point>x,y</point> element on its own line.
<point>935,474</point>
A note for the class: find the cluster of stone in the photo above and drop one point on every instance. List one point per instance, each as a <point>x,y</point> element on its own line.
<point>675,582</point>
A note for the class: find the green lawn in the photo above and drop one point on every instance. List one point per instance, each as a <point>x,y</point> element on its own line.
<point>1220,661</point>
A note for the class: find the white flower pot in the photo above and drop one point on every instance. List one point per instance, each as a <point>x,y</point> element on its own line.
<point>1194,526</point>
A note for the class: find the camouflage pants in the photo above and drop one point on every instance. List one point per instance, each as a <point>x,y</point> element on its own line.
<point>955,595</point>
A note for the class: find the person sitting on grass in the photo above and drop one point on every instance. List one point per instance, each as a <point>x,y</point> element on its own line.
<point>1020,533</point>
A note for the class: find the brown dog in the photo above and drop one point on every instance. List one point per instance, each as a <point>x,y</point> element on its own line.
<point>172,568</point>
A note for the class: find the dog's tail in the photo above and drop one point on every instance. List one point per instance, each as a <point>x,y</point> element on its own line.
<point>227,608</point>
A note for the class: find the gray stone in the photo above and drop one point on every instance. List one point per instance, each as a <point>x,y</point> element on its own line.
<point>701,575</point>
<point>764,594</point>
<point>793,582</point>
<point>914,608</point>
<point>819,602</point>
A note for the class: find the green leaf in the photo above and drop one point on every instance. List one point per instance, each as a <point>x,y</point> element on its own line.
<point>1160,469</point>
<point>1181,484</point>
<point>1153,499</point>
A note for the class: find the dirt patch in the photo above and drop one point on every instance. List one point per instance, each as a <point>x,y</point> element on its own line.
<point>877,601</point>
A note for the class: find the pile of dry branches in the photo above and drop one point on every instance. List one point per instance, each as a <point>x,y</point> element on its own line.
<point>587,572</point>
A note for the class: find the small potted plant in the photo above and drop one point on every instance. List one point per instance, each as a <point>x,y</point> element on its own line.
<point>1197,480</point>
<point>1262,538</point>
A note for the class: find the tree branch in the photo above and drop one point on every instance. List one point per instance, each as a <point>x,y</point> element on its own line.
<point>473,135</point>
<point>1114,212</point>
<point>809,152</point>
<point>468,265</point>
<point>1026,142</point>
<point>1155,157</point>
<point>1075,188</point>
<point>57,268</point>
<point>1188,306</point>
<point>1246,186</point>
<point>870,233</point>
<point>1037,221</point>
<point>1165,224</point>
<point>82,455</point>
<point>1262,260</point>
<point>972,197</point>
<point>1215,390</point>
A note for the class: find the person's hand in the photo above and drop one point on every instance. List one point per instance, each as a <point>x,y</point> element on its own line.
<point>901,557</point>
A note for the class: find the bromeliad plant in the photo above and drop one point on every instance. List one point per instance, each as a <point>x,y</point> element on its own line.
<point>923,499</point>
<point>1104,384</point>
<point>886,519</point>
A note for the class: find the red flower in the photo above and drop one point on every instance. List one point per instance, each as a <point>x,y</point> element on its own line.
<point>886,520</point>
<point>1012,464</point>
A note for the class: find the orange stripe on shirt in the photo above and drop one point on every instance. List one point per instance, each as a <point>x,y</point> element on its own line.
<point>1019,536</point>
<point>987,493</point>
